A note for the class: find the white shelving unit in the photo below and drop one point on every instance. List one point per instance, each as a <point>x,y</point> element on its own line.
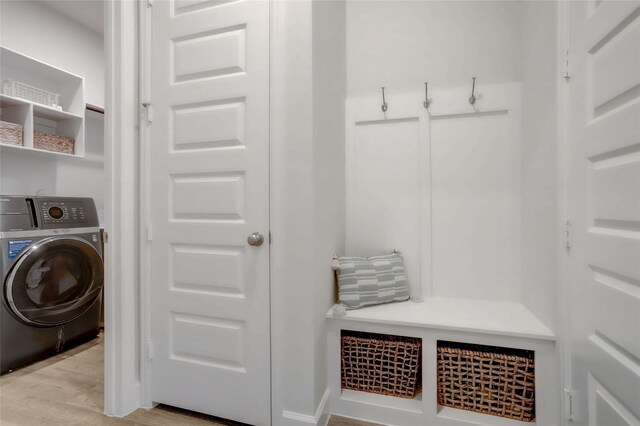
<point>34,116</point>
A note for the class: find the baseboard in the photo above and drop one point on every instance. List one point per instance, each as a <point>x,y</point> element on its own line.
<point>122,406</point>
<point>321,417</point>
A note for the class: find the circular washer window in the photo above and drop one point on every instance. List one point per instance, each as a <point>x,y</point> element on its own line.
<point>55,281</point>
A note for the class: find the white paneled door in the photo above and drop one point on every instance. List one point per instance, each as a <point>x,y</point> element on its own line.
<point>604,212</point>
<point>209,192</point>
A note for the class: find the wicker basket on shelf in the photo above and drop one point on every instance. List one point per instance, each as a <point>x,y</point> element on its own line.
<point>55,143</point>
<point>487,379</point>
<point>382,364</point>
<point>11,133</point>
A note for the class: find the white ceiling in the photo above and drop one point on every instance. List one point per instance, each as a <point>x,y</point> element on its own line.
<point>89,13</point>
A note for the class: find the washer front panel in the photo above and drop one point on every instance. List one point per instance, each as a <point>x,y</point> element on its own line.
<point>54,281</point>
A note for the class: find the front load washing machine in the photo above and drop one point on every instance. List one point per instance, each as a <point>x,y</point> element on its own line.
<point>52,276</point>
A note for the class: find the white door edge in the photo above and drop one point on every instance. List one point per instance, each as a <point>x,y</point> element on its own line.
<point>144,66</point>
<point>564,291</point>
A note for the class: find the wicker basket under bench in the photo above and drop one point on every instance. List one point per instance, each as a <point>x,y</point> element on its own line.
<point>487,379</point>
<point>382,364</point>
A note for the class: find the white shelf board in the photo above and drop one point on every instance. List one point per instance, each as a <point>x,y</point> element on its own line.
<point>7,101</point>
<point>95,108</point>
<point>473,418</point>
<point>53,114</point>
<point>413,405</point>
<point>479,316</point>
<point>39,110</point>
<point>26,150</point>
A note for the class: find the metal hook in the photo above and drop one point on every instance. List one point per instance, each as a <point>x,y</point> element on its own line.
<point>472,99</point>
<point>427,101</point>
<point>384,102</point>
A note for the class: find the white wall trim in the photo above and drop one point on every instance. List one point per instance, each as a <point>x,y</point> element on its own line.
<point>447,102</point>
<point>563,316</point>
<point>406,106</point>
<point>121,394</point>
<point>320,418</point>
<point>291,133</point>
<point>144,65</point>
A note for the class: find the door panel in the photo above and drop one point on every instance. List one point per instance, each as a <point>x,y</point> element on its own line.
<point>604,210</point>
<point>209,181</point>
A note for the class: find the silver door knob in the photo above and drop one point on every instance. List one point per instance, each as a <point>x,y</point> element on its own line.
<point>255,239</point>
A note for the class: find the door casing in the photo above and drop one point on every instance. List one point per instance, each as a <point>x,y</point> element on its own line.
<point>122,383</point>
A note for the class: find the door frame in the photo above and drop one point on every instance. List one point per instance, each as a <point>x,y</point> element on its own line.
<point>563,315</point>
<point>121,388</point>
<point>144,176</point>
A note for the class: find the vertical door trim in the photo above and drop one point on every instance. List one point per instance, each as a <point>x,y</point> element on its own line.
<point>121,392</point>
<point>563,312</point>
<point>145,22</point>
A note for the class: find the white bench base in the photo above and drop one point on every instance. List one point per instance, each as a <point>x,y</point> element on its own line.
<point>485,323</point>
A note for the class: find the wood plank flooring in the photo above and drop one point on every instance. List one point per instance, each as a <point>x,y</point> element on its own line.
<point>67,390</point>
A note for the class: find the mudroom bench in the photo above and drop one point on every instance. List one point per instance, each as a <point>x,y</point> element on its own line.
<point>435,321</point>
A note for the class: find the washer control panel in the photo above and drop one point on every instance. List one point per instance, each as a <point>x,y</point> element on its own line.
<point>68,212</point>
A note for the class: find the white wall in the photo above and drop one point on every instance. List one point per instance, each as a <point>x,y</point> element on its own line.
<point>475,204</point>
<point>34,29</point>
<point>292,226</point>
<point>329,92</point>
<point>442,187</point>
<point>402,44</point>
<point>540,86</point>
<point>386,191</point>
<point>86,177</point>
<point>307,197</point>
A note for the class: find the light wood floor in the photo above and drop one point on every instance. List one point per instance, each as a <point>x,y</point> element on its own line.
<point>67,390</point>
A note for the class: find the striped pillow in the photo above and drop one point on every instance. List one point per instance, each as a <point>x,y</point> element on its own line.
<point>371,281</point>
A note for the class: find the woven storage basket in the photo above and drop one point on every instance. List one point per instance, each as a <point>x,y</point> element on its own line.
<point>382,364</point>
<point>56,143</point>
<point>487,379</point>
<point>11,133</point>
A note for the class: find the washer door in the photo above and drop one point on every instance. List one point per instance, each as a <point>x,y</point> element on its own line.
<point>55,281</point>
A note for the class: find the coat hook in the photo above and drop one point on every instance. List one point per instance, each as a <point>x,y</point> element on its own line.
<point>427,101</point>
<point>472,99</point>
<point>384,102</point>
